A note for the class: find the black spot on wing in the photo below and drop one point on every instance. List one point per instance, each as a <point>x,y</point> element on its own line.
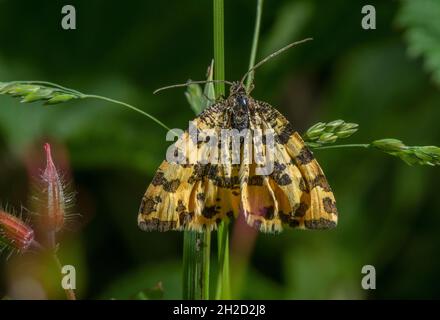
<point>148,204</point>
<point>209,212</point>
<point>301,210</point>
<point>156,224</point>
<point>305,156</point>
<point>285,133</point>
<point>329,205</point>
<point>171,186</point>
<point>321,181</point>
<point>319,224</point>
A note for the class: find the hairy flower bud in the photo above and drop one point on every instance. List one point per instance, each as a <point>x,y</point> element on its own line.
<point>53,196</point>
<point>15,232</point>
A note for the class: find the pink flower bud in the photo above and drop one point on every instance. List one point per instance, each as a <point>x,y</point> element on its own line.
<point>15,232</point>
<point>53,195</point>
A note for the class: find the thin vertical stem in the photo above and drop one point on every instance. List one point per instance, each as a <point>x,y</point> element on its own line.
<point>197,249</point>
<point>188,266</point>
<point>196,265</point>
<point>250,77</point>
<point>223,282</point>
<point>219,47</point>
<point>223,286</point>
<point>52,246</point>
<point>70,293</point>
<point>247,237</point>
<point>206,255</point>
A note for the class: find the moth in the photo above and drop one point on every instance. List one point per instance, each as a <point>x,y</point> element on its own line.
<point>199,195</point>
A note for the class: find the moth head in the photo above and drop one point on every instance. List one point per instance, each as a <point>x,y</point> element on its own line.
<point>238,96</point>
<point>241,101</point>
<point>237,88</point>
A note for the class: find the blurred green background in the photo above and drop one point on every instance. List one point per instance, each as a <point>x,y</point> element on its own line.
<point>387,80</point>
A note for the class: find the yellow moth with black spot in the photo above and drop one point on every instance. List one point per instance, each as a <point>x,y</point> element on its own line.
<point>197,196</point>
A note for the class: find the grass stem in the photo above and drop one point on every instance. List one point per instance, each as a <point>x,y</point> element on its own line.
<point>250,77</point>
<point>196,265</point>
<point>223,290</point>
<point>92,96</point>
<point>219,46</point>
<point>340,146</point>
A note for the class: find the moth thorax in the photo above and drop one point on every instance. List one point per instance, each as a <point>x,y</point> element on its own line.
<point>240,112</point>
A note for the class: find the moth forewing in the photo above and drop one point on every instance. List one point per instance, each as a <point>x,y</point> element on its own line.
<point>242,157</point>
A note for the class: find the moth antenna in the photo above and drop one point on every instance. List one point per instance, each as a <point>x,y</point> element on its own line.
<point>190,82</point>
<point>273,55</point>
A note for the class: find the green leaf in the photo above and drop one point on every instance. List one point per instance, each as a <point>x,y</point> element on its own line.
<point>194,96</point>
<point>198,99</point>
<point>422,32</point>
<point>209,91</point>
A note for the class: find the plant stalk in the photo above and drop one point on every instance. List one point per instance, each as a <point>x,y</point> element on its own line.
<point>70,294</point>
<point>340,146</point>
<point>239,261</point>
<point>223,283</point>
<point>250,77</point>
<point>197,248</point>
<point>196,265</point>
<point>219,47</point>
<point>93,96</point>
<point>51,239</point>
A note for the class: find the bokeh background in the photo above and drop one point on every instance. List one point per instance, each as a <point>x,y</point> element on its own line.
<point>387,80</point>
